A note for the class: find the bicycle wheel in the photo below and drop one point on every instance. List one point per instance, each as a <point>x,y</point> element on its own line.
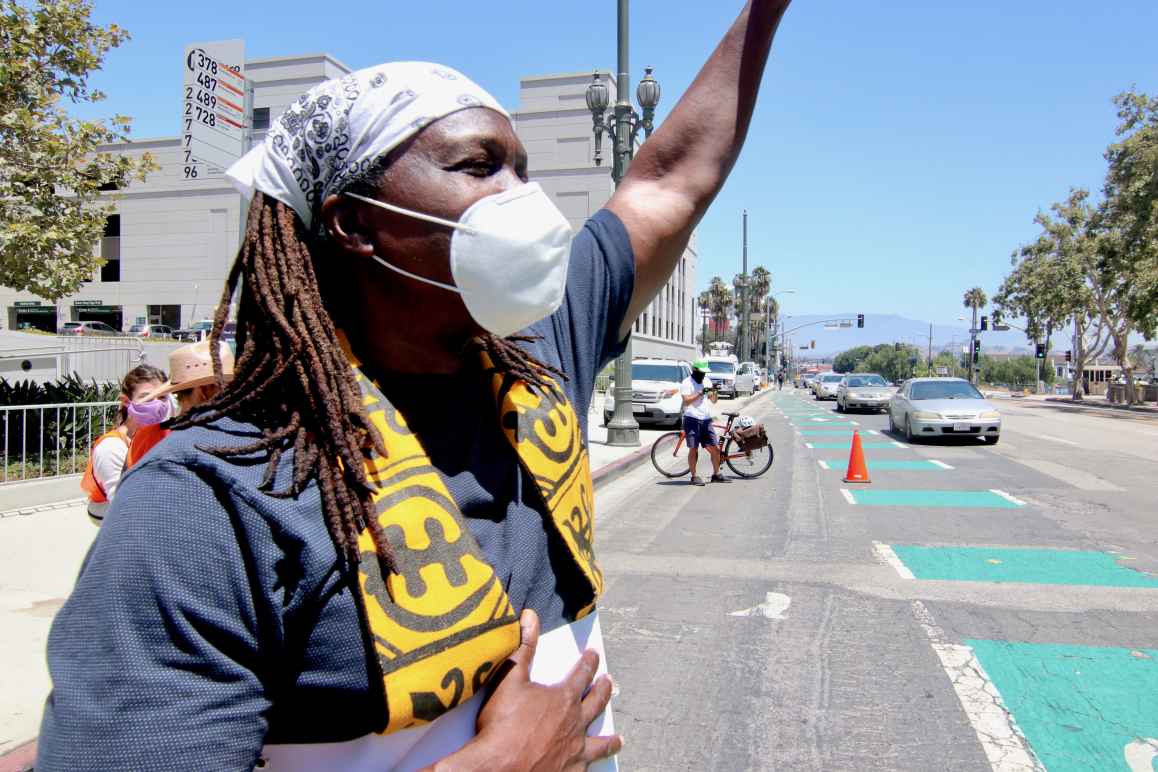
<point>669,454</point>
<point>752,464</point>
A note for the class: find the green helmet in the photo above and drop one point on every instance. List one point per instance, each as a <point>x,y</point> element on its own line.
<point>700,364</point>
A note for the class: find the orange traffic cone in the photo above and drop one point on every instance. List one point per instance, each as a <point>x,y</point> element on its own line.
<point>857,468</point>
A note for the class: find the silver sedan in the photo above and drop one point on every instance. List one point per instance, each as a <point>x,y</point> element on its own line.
<point>943,407</point>
<point>867,391</point>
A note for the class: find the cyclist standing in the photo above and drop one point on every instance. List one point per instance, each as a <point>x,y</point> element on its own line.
<point>698,420</point>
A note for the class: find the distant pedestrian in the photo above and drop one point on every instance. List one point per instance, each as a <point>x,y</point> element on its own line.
<point>697,420</point>
<point>191,382</point>
<point>106,461</point>
<point>780,380</point>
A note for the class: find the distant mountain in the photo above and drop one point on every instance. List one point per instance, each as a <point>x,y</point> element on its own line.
<point>891,328</point>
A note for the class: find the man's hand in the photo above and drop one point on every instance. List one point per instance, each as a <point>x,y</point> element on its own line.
<point>529,726</point>
<point>680,169</point>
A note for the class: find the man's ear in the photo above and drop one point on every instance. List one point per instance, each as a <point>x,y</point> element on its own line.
<point>344,226</point>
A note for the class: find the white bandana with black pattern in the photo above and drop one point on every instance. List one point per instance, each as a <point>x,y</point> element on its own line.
<point>338,128</point>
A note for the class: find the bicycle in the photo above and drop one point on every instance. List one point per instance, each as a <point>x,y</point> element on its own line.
<point>669,453</point>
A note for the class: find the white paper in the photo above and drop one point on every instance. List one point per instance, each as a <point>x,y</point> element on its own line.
<point>413,749</point>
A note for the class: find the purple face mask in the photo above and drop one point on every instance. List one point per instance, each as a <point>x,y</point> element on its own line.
<point>149,413</point>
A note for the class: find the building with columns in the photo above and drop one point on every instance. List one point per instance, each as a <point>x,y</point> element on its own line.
<point>171,240</point>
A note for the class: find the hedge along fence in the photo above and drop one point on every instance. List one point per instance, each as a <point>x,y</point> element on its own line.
<point>48,429</point>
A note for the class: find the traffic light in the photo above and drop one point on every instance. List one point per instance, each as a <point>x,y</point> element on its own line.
<point>976,349</point>
<point>896,346</point>
<point>860,320</point>
<point>1069,356</point>
<point>1039,352</point>
<point>984,323</point>
<point>812,345</point>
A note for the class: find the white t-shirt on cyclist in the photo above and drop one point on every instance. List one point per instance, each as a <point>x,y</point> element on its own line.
<point>700,409</point>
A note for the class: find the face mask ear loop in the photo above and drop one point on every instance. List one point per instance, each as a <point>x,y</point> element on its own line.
<point>416,277</point>
<point>417,215</point>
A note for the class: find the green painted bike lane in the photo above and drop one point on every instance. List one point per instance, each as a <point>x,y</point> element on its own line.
<point>1079,707</point>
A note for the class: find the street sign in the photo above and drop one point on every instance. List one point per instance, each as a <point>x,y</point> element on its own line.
<point>215,110</point>
<point>86,303</point>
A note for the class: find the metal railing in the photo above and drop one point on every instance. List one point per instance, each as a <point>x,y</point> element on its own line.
<point>40,441</point>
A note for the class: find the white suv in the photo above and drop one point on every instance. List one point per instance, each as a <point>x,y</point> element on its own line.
<point>655,391</point>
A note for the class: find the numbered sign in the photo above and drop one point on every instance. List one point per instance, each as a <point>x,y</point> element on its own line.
<point>215,112</point>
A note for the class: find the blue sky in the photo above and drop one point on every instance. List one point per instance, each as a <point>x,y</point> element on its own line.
<point>897,156</point>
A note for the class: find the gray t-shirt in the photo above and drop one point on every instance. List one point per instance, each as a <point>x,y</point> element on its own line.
<point>210,619</point>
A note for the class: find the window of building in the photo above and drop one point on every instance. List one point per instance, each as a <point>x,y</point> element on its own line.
<point>260,118</point>
<point>170,316</point>
<point>111,249</point>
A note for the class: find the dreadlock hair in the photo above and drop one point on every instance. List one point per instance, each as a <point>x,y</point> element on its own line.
<point>292,379</point>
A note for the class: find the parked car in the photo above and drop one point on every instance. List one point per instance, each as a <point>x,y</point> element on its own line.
<point>87,328</point>
<point>826,385</point>
<point>722,371</point>
<point>747,378</point>
<point>196,332</point>
<point>943,407</point>
<point>151,331</point>
<point>655,392</point>
<point>867,391</point>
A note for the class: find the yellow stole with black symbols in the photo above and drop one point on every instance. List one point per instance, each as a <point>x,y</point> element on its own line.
<point>443,624</point>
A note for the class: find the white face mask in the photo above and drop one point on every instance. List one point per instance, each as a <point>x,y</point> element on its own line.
<point>508,256</point>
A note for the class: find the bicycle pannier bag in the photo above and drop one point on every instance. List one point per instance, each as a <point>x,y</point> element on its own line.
<point>752,438</point>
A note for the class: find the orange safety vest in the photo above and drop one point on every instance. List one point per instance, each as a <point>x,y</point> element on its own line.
<point>143,441</point>
<point>89,483</point>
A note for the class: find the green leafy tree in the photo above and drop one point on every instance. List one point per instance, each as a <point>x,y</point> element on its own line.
<point>51,169</point>
<point>1130,207</point>
<point>847,361</point>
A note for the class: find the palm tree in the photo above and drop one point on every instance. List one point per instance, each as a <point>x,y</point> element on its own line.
<point>975,299</point>
<point>720,302</point>
<point>705,303</point>
<point>759,284</point>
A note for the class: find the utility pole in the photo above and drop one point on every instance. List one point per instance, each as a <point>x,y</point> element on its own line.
<point>744,318</point>
<point>929,356</point>
<point>974,360</point>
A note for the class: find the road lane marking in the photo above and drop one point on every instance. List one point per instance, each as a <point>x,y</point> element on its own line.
<point>773,607</point>
<point>947,499</point>
<point>1079,707</point>
<point>886,554</point>
<point>1140,754</point>
<point>1058,439</point>
<point>910,465</point>
<point>901,445</point>
<point>808,445</point>
<point>1078,478</point>
<point>846,445</point>
<point>1005,746</point>
<point>1021,565</point>
<point>941,464</point>
<point>823,464</point>
<point>1004,495</point>
<point>847,495</point>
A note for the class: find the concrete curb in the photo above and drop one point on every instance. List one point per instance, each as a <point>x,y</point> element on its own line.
<point>618,468</point>
<point>1139,409</point>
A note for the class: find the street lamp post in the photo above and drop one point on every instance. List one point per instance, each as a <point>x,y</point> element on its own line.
<point>622,125</point>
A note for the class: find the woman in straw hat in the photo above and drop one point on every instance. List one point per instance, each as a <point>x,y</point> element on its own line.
<point>349,553</point>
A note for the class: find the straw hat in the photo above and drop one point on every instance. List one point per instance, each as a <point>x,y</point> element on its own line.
<point>191,366</point>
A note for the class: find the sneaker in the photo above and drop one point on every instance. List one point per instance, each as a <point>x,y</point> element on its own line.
<point>698,480</point>
<point>718,478</point>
